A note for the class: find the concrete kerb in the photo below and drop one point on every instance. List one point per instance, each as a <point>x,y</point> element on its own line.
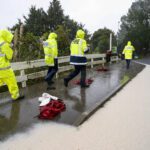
<point>86,115</point>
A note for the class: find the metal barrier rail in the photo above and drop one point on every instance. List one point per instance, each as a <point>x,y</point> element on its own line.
<point>93,59</point>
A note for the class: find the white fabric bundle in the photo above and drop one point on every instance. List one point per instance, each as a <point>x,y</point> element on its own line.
<point>45,99</point>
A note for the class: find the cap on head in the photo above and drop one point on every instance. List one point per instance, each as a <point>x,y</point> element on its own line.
<point>80,34</point>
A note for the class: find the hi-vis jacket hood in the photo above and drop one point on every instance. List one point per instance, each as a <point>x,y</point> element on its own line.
<point>52,35</point>
<point>6,36</point>
<point>80,34</point>
<point>129,43</point>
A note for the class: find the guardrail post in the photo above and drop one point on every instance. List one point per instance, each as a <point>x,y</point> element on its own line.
<point>111,60</point>
<point>57,72</point>
<point>103,64</point>
<point>22,73</point>
<point>56,75</point>
<point>117,58</point>
<point>92,60</point>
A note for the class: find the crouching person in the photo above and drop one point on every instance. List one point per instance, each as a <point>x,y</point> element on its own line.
<point>7,75</point>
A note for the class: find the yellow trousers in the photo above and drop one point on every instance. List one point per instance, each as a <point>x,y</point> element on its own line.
<point>8,77</point>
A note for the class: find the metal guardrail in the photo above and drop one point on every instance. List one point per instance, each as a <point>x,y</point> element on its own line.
<point>93,59</point>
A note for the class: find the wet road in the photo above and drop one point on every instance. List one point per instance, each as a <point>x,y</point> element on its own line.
<point>145,60</point>
<point>20,116</point>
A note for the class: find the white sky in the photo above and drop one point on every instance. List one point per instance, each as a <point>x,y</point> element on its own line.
<point>94,14</point>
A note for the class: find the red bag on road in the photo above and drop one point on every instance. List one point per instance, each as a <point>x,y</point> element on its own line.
<point>52,109</point>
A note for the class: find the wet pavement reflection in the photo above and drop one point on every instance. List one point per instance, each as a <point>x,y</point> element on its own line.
<point>9,118</point>
<point>145,60</point>
<point>20,116</point>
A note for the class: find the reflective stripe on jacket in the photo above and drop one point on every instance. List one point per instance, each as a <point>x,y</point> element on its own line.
<point>128,51</point>
<point>50,49</point>
<point>5,54</point>
<point>78,48</point>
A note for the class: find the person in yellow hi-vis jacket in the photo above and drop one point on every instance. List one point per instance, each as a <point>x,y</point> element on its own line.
<point>78,48</point>
<point>51,58</point>
<point>6,73</point>
<point>128,53</point>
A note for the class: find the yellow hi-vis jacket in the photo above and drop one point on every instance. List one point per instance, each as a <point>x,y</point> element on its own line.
<point>6,51</point>
<point>128,51</point>
<point>7,75</point>
<point>78,47</point>
<point>50,49</point>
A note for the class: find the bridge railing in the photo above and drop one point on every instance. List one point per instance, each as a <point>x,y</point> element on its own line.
<point>63,63</point>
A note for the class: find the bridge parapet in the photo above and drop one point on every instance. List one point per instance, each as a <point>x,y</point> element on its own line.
<point>63,62</point>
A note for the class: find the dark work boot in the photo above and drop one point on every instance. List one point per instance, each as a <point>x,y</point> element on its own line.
<point>65,82</point>
<point>51,82</point>
<point>85,86</point>
<point>49,87</point>
<point>19,98</point>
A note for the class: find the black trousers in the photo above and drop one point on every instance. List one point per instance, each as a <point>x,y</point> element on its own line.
<point>128,61</point>
<point>78,69</point>
<point>52,71</point>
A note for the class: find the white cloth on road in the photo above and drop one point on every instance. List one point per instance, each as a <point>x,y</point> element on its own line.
<point>46,98</point>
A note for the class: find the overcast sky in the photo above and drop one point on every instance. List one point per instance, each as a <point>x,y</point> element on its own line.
<point>94,14</point>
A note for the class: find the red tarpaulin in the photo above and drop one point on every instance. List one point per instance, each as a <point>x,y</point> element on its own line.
<point>52,109</point>
<point>88,81</point>
<point>102,69</point>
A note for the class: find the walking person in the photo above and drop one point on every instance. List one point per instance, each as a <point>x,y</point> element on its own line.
<point>7,75</point>
<point>51,58</point>
<point>128,53</point>
<point>78,48</point>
